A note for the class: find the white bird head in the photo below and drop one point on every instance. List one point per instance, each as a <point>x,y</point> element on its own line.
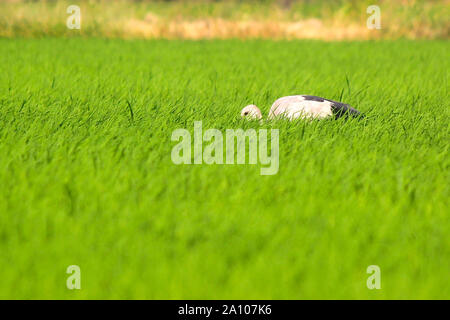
<point>251,112</point>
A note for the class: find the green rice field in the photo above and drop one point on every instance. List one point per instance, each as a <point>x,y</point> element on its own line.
<point>86,176</point>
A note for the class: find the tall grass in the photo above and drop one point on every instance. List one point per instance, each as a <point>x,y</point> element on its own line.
<point>227,19</point>
<point>83,181</point>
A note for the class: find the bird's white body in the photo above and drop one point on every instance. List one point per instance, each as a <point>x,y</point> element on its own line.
<point>294,107</point>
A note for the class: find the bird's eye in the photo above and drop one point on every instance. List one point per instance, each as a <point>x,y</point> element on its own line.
<point>245,113</point>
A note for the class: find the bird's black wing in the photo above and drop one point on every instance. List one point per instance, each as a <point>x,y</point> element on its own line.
<point>339,109</point>
<point>343,110</point>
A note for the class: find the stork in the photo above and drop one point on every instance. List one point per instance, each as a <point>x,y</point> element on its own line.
<point>304,107</point>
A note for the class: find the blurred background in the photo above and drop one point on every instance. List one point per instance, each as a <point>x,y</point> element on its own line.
<point>207,19</point>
